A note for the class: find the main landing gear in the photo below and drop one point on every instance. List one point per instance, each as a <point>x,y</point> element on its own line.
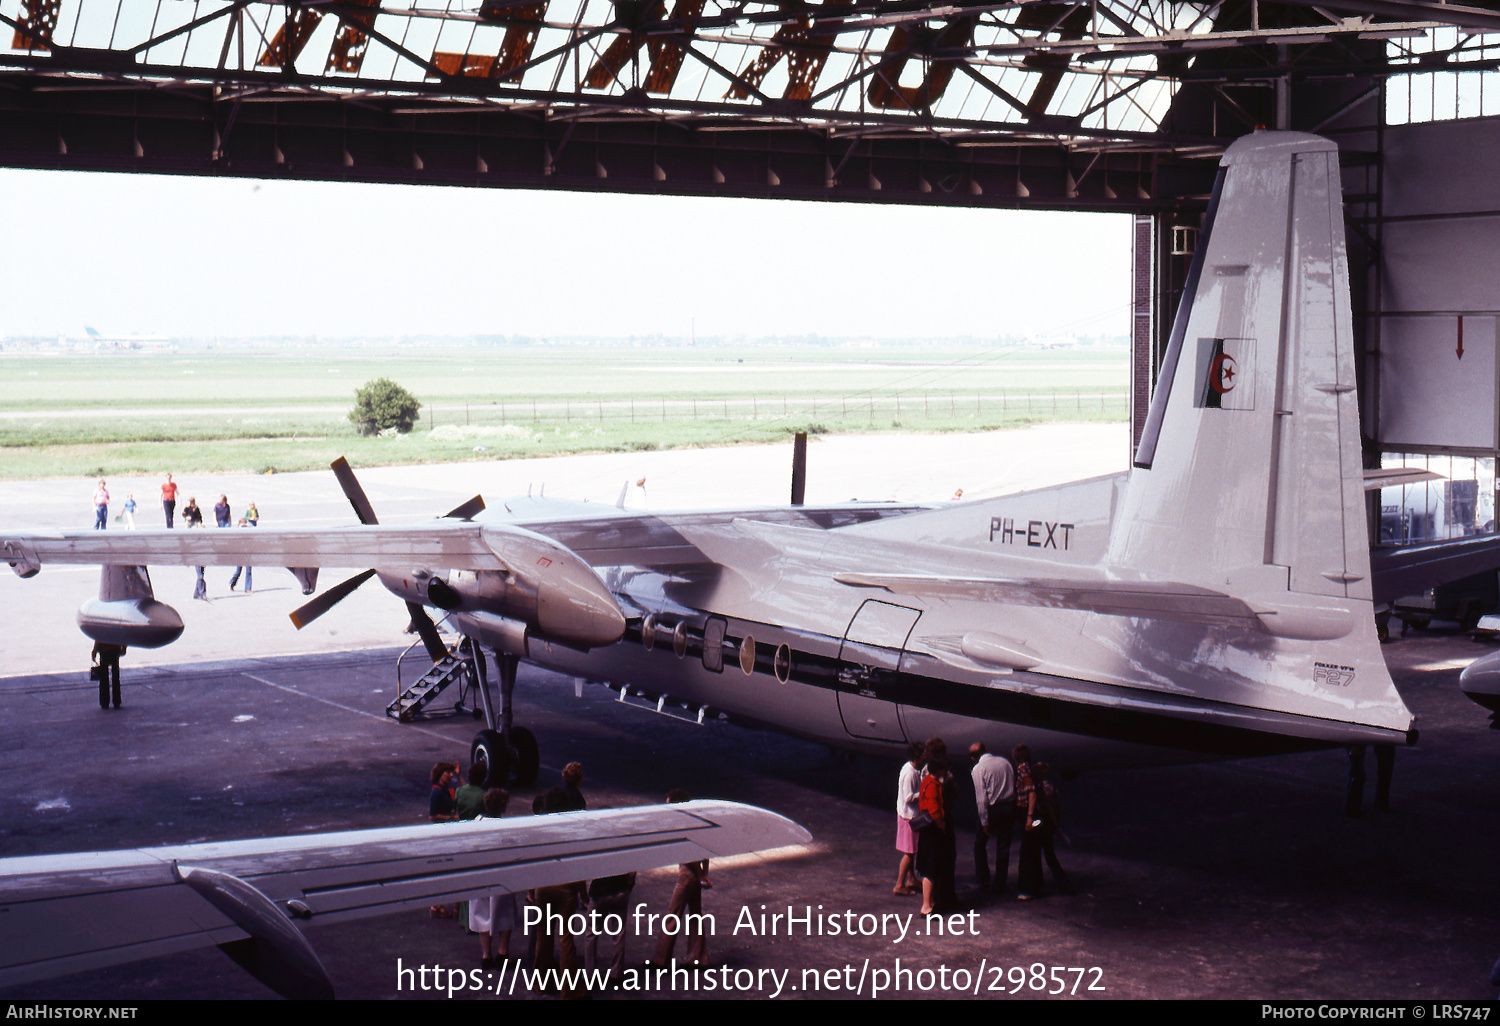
<point>106,670</point>
<point>502,746</point>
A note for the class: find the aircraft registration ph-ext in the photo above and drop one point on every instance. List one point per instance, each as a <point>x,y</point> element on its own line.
<point>1187,608</point>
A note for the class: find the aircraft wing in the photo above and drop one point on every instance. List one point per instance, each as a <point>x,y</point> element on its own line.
<point>445,544</point>
<point>1411,570</point>
<point>71,913</point>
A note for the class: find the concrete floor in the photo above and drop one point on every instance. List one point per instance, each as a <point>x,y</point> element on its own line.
<point>1229,880</point>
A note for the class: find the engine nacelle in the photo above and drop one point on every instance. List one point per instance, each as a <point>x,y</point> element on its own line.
<point>127,613</point>
<point>131,623</point>
<point>561,599</point>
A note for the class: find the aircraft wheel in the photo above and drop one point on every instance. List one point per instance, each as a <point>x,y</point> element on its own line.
<point>528,759</point>
<point>488,747</point>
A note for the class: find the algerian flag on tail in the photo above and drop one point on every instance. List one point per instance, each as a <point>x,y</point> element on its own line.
<point>1226,374</point>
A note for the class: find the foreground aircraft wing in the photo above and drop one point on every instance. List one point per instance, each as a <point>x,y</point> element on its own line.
<point>71,913</point>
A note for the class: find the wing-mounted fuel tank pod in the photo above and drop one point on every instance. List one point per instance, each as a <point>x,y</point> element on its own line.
<point>545,590</point>
<point>126,613</point>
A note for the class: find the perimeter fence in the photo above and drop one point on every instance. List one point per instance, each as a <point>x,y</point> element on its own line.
<point>908,409</point>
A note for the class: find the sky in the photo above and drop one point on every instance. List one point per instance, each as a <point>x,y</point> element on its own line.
<point>205,257</point>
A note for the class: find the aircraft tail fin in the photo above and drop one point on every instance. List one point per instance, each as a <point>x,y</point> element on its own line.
<point>1248,475</point>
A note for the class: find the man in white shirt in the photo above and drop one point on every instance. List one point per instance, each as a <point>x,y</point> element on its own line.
<point>995,794</point>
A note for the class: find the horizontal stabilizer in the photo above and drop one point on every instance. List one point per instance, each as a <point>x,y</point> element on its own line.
<point>1390,477</point>
<point>1302,617</point>
<point>1115,598</point>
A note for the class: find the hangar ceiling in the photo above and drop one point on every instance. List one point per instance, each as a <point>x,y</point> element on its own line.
<point>1110,104</point>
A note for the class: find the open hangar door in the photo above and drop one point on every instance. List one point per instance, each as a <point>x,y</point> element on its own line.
<point>1427,315</point>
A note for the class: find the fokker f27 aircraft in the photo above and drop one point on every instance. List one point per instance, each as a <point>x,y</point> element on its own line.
<point>1213,601</point>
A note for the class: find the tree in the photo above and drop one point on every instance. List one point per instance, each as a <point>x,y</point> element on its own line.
<point>382,404</point>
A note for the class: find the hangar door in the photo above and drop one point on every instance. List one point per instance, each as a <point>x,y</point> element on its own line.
<point>1431,322</point>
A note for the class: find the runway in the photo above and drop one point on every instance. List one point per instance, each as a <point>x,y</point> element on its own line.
<point>1237,879</point>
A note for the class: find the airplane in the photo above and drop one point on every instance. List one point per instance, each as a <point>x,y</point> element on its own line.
<point>79,912</point>
<point>1214,601</point>
<point>101,341</point>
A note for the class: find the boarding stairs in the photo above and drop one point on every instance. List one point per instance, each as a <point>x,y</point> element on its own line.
<point>455,666</point>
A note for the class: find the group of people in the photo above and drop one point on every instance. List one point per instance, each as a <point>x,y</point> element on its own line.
<point>101,508</point>
<point>1005,790</point>
<point>192,516</point>
<point>494,917</point>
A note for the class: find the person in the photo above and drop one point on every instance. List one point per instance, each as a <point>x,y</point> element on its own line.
<point>252,514</point>
<point>1354,797</point>
<point>440,809</point>
<point>1051,826</point>
<point>610,895</point>
<point>440,806</point>
<point>468,801</point>
<point>995,795</point>
<point>572,776</point>
<point>129,511</point>
<point>221,511</point>
<point>106,670</point>
<point>957,496</point>
<point>908,787</point>
<point>558,900</point>
<point>687,898</point>
<point>192,516</point>
<point>101,506</point>
<point>249,571</point>
<point>1036,801</point>
<point>169,499</point>
<point>933,839</point>
<point>493,916</point>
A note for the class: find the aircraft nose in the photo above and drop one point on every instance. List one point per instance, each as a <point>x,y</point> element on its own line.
<point>1481,681</point>
<point>574,605</point>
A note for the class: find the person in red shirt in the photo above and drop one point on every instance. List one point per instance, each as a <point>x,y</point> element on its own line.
<point>169,499</point>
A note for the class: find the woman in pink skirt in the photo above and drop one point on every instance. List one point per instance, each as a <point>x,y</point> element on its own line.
<point>908,787</point>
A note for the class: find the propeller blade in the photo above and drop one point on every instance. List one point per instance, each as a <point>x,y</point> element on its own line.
<point>467,510</point>
<point>353,492</point>
<point>431,639</point>
<point>306,614</point>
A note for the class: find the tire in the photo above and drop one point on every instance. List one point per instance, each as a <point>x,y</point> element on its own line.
<point>489,748</point>
<point>528,758</point>
<point>1473,610</point>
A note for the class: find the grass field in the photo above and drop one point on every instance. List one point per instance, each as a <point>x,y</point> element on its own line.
<point>234,411</point>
